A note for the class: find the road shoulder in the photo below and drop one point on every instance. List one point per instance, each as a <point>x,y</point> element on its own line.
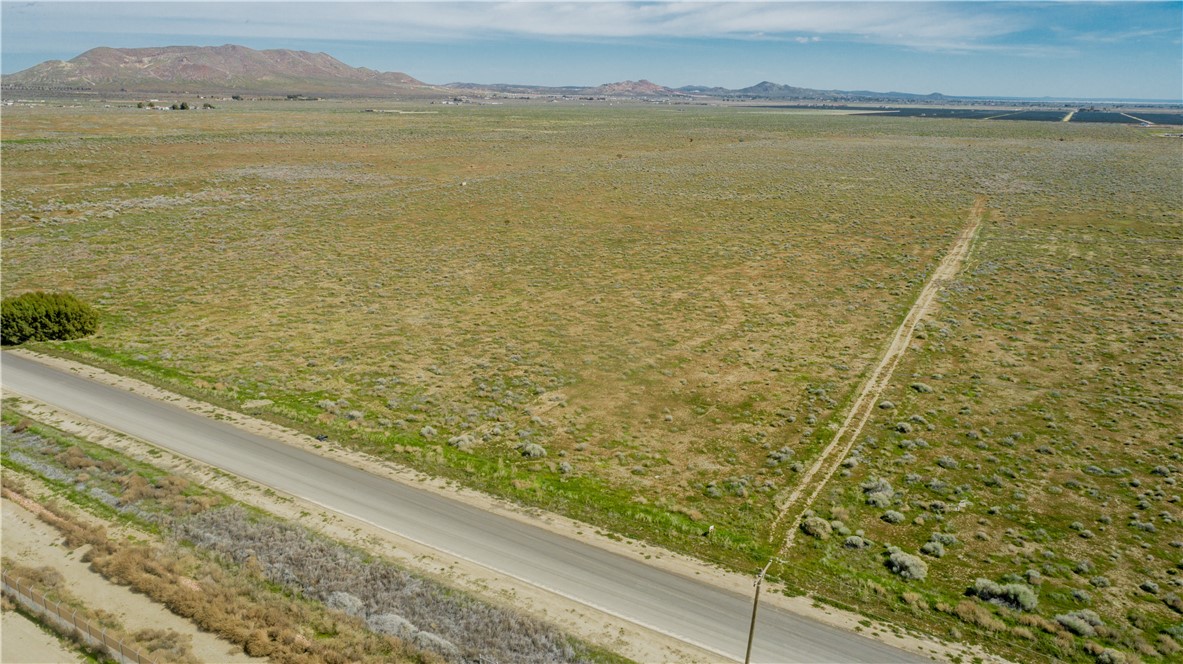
<point>622,636</point>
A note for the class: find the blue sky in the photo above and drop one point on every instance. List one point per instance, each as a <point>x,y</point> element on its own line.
<point>1016,48</point>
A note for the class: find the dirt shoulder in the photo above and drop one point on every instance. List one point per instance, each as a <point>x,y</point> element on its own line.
<point>29,541</point>
<point>26,642</point>
<point>627,638</point>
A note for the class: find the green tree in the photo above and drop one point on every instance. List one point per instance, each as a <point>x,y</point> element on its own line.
<point>40,316</point>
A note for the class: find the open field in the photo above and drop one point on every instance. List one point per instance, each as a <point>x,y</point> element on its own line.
<point>653,319</point>
<point>1033,436</point>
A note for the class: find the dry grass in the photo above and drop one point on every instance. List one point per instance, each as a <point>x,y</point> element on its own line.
<point>1044,404</point>
<point>231,606</point>
<point>660,299</point>
<point>164,646</point>
<point>676,322</point>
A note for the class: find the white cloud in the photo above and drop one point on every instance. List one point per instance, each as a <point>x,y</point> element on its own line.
<point>918,25</point>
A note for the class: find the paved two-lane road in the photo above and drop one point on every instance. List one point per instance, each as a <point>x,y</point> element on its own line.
<point>690,610</point>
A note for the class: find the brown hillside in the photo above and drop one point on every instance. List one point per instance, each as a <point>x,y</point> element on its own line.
<point>211,68</point>
<point>641,88</point>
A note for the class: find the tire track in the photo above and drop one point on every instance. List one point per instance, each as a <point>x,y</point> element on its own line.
<point>860,410</point>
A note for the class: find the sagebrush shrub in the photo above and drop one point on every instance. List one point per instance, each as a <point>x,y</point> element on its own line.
<point>464,442</point>
<point>1111,656</point>
<point>1082,623</point>
<point>879,492</point>
<point>816,527</point>
<point>856,542</point>
<point>907,565</point>
<point>1174,601</point>
<point>533,451</point>
<point>948,539</point>
<point>346,602</point>
<point>934,549</point>
<point>775,458</point>
<point>391,624</point>
<point>1017,596</point>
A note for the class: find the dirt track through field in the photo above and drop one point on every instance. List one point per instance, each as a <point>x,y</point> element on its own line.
<point>864,404</point>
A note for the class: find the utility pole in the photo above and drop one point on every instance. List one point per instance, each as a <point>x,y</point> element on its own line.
<point>747,658</point>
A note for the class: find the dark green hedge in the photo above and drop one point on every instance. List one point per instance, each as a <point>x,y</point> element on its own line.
<point>39,316</point>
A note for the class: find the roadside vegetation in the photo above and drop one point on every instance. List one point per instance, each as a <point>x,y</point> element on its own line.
<point>39,316</point>
<point>653,319</point>
<point>163,646</point>
<point>272,587</point>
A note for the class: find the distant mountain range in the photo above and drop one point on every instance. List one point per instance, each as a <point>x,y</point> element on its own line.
<point>647,89</point>
<point>767,90</point>
<point>238,69</point>
<point>640,88</point>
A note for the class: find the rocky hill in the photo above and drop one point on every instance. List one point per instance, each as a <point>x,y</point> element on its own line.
<point>226,68</point>
<point>641,88</point>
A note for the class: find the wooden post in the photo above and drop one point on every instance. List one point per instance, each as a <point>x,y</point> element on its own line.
<point>747,658</point>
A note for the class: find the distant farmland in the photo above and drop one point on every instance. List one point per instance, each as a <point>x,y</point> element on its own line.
<point>1041,115</point>
<point>1033,115</point>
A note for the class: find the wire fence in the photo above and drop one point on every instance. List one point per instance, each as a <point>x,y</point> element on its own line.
<point>66,620</point>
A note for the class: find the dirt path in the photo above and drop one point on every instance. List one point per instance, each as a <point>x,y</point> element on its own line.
<point>25,642</point>
<point>819,474</point>
<point>29,541</point>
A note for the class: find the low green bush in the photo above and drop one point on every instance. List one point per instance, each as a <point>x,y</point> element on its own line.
<point>40,316</point>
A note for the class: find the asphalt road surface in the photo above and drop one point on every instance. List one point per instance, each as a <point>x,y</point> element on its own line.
<point>690,610</point>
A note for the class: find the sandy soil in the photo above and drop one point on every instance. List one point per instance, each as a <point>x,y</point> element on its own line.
<point>621,636</point>
<point>864,404</point>
<point>25,642</point>
<point>29,541</point>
